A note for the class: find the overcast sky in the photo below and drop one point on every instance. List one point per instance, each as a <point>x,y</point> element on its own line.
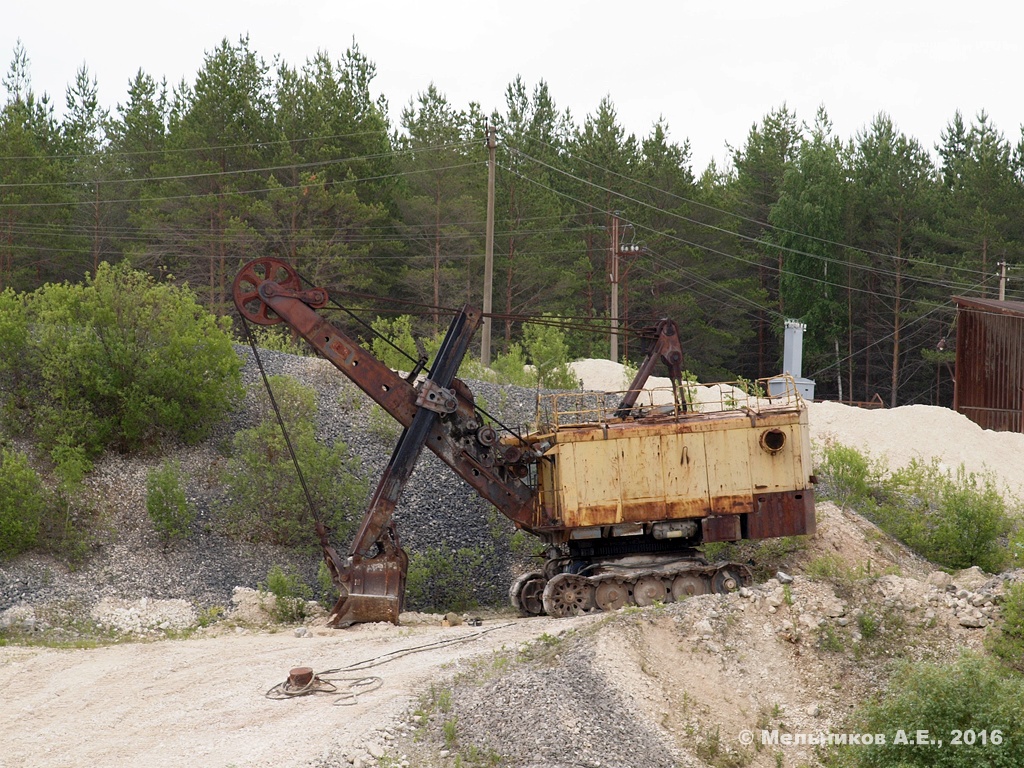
<point>711,68</point>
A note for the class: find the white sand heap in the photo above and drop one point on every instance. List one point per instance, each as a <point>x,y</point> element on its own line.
<point>923,432</point>
<point>898,435</point>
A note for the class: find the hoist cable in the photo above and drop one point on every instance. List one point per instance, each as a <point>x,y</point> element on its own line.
<point>280,420</point>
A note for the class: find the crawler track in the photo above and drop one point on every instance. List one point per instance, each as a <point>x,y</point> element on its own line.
<point>569,594</point>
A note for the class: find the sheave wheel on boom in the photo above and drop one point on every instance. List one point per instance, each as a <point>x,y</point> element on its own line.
<point>247,284</point>
<point>527,593</point>
<point>568,595</point>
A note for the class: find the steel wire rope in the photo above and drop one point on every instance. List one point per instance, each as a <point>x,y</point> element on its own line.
<point>879,340</point>
<point>280,421</point>
<point>328,685</point>
<point>709,249</point>
<point>134,153</point>
<point>416,362</point>
<point>707,206</point>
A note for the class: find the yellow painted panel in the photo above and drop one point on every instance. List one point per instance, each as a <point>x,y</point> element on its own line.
<point>645,472</point>
<point>774,471</point>
<point>685,467</point>
<point>597,473</point>
<point>728,470</point>
<point>640,462</point>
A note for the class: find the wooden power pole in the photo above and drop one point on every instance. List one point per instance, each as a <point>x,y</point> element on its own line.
<point>485,331</point>
<point>614,277</point>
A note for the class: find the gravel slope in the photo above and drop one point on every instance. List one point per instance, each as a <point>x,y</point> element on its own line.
<point>437,510</point>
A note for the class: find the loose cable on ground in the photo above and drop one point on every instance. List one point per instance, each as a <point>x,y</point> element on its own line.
<point>347,689</point>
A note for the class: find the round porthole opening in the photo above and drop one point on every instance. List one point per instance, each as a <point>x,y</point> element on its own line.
<point>773,440</point>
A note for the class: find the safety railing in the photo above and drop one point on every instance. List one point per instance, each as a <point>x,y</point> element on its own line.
<point>563,409</point>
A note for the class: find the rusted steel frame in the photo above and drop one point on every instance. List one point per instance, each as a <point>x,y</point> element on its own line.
<point>398,397</point>
<point>666,348</point>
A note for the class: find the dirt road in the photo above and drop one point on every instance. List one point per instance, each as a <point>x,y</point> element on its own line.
<point>201,701</point>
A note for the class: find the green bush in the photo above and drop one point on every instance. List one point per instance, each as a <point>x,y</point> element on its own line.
<point>511,368</point>
<point>264,499</point>
<point>956,519</point>
<point>120,361</point>
<point>290,594</point>
<point>1007,641</point>
<point>847,476</point>
<point>280,338</point>
<point>974,694</point>
<point>14,390</point>
<point>399,332</point>
<point>22,503</point>
<point>548,351</point>
<point>440,580</point>
<point>168,509</point>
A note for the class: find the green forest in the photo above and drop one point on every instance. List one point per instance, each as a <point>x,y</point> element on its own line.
<point>865,239</point>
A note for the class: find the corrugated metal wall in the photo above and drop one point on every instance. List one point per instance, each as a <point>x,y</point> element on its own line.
<point>990,363</point>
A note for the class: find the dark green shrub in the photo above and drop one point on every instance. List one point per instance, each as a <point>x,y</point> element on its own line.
<point>548,351</point>
<point>399,333</point>
<point>847,476</point>
<point>953,519</point>
<point>441,580</point>
<point>511,367</point>
<point>22,503</point>
<point>290,594</point>
<point>14,390</point>
<point>1007,641</point>
<point>973,695</point>
<point>122,360</point>
<point>168,508</point>
<point>264,498</point>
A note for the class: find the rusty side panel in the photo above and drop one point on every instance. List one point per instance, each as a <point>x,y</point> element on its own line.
<point>790,513</point>
<point>989,379</point>
<point>726,528</point>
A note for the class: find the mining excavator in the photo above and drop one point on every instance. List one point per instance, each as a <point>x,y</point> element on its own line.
<point>622,490</point>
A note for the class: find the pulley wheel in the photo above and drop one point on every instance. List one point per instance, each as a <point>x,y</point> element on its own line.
<point>527,593</point>
<point>726,580</point>
<point>248,281</point>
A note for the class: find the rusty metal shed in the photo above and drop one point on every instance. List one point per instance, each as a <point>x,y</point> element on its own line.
<point>990,363</point>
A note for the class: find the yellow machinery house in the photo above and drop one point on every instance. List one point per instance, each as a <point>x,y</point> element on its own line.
<point>733,468</point>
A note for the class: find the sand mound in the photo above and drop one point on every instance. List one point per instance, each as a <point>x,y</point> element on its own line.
<point>923,432</point>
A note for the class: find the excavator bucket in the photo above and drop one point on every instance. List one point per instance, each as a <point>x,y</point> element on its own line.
<point>373,590</point>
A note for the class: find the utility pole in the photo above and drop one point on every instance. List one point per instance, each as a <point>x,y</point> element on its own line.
<point>614,277</point>
<point>485,332</point>
<point>1002,280</point>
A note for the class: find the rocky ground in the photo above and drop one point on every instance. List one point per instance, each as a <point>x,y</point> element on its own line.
<point>672,685</point>
<point>680,684</point>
